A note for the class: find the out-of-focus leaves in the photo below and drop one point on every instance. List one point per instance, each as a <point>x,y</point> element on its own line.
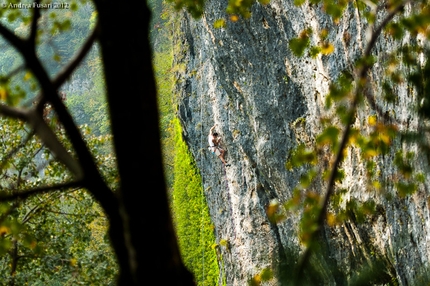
<point>307,178</point>
<point>273,212</point>
<point>340,90</point>
<point>406,188</point>
<point>335,8</point>
<point>404,164</point>
<point>395,30</point>
<point>389,95</point>
<point>327,48</point>
<point>378,141</point>
<point>220,23</point>
<point>371,136</point>
<point>265,275</point>
<point>195,8</point>
<point>299,2</point>
<point>242,7</point>
<point>298,45</point>
<point>3,94</point>
<point>359,211</point>
<point>314,51</point>
<point>294,203</point>
<point>234,7</point>
<point>338,198</point>
<point>309,223</point>
<point>330,136</point>
<point>264,2</point>
<point>300,156</point>
<point>374,273</point>
<point>418,23</point>
<point>421,80</point>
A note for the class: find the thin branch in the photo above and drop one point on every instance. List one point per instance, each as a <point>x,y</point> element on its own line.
<point>378,30</point>
<point>42,203</point>
<point>19,179</point>
<point>362,76</point>
<point>33,28</point>
<point>27,256</point>
<point>14,112</point>
<point>29,213</point>
<point>49,92</point>
<point>23,194</point>
<point>27,216</point>
<point>66,214</point>
<point>51,141</point>
<point>74,63</point>
<point>370,97</point>
<point>46,134</point>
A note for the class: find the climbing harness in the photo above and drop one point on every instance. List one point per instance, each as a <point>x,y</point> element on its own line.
<point>214,150</point>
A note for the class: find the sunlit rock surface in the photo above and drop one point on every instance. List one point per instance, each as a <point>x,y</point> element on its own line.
<point>265,101</point>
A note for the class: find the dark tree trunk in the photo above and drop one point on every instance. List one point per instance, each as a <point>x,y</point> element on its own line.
<point>152,256</point>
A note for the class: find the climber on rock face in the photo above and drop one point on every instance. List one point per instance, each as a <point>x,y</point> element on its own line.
<point>214,147</point>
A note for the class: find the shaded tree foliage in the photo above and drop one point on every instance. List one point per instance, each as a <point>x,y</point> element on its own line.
<point>140,226</point>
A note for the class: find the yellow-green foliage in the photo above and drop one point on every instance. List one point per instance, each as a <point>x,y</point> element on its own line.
<point>191,214</point>
<point>163,60</point>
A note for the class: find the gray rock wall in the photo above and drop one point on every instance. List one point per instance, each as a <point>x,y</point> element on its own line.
<point>265,101</point>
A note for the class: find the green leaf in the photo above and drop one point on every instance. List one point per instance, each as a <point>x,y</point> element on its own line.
<point>300,156</point>
<point>298,45</point>
<point>266,274</point>
<point>307,178</point>
<point>335,9</point>
<point>293,204</point>
<point>220,23</point>
<point>223,242</point>
<point>340,90</point>
<point>389,95</point>
<point>327,48</point>
<point>299,2</point>
<point>403,163</point>
<point>406,188</point>
<point>314,51</point>
<point>395,30</point>
<point>194,7</point>
<point>330,136</point>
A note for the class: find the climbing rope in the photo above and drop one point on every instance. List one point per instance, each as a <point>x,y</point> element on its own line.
<point>202,194</point>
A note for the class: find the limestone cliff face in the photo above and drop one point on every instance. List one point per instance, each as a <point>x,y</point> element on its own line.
<point>265,101</point>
